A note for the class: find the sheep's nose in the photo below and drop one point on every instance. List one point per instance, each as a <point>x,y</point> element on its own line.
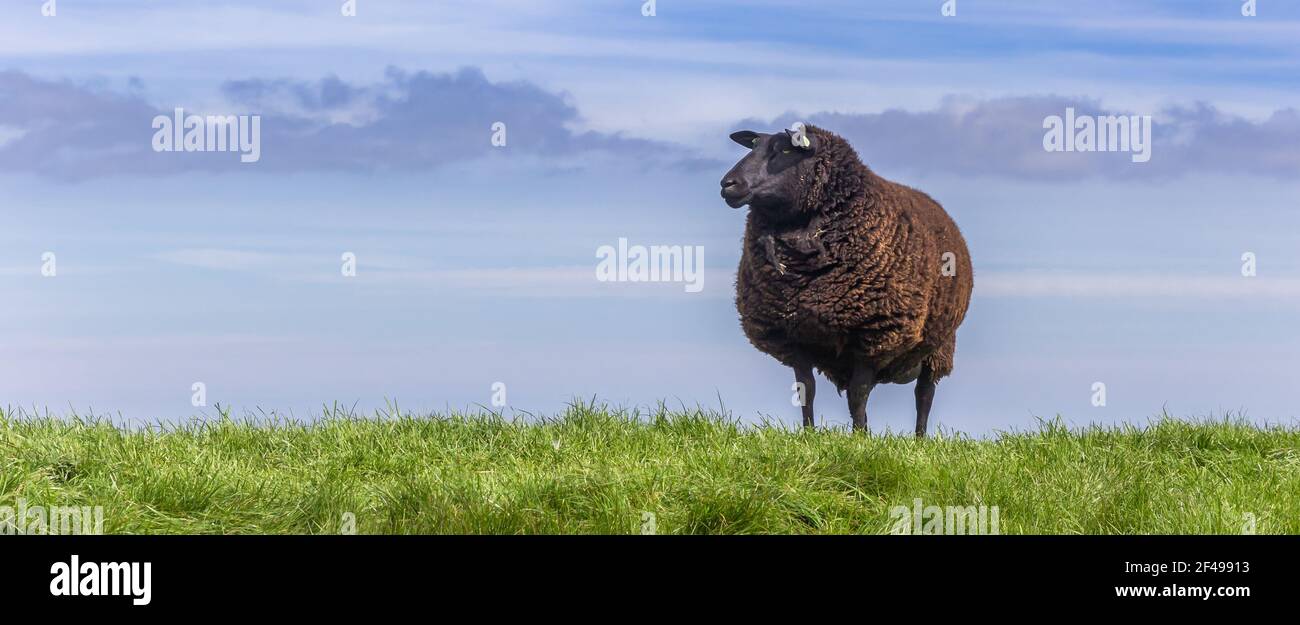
<point>729,182</point>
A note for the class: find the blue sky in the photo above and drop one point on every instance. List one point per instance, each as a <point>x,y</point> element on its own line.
<point>476,263</point>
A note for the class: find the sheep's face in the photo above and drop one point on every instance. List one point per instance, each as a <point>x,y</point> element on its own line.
<point>768,178</point>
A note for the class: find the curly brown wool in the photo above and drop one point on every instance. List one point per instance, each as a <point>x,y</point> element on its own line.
<point>850,278</point>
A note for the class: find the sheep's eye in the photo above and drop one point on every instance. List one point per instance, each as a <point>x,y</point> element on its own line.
<point>785,151</point>
<point>754,141</point>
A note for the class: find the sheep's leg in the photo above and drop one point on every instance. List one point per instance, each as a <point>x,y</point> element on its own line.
<point>803,374</point>
<point>924,397</point>
<point>864,379</point>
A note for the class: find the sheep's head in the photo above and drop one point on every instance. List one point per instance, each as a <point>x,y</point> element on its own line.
<point>771,177</point>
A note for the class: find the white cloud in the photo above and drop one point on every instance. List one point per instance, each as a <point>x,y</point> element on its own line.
<point>227,259</point>
<point>1087,285</point>
<point>403,272</point>
<point>9,134</point>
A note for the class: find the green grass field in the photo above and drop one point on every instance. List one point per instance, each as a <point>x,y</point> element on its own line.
<point>592,470</point>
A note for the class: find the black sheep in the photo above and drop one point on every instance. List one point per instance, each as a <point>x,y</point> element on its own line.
<point>862,278</point>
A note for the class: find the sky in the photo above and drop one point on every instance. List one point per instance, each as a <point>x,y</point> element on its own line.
<point>476,263</point>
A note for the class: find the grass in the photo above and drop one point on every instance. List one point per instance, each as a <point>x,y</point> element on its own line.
<point>593,470</point>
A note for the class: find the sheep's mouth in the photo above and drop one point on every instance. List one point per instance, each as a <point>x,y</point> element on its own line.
<point>736,200</point>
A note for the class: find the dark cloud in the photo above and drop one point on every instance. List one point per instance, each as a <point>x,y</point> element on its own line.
<point>57,127</point>
<point>327,94</point>
<point>1004,137</point>
<point>421,120</point>
<point>409,121</point>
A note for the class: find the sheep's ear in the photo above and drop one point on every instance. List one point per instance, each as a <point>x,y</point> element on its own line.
<point>747,138</point>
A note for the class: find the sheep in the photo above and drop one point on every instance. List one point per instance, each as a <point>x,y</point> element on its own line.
<point>861,278</point>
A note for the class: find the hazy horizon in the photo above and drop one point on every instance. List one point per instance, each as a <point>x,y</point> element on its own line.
<point>476,263</point>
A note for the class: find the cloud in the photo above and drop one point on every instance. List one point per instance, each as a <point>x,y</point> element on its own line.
<point>418,121</point>
<point>408,122</point>
<point>409,272</point>
<point>59,126</point>
<point>328,93</point>
<point>1004,137</point>
<point>579,281</point>
<point>223,259</point>
<point>569,281</point>
<point>1121,285</point>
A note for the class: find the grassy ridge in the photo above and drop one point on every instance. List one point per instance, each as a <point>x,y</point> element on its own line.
<point>596,471</point>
